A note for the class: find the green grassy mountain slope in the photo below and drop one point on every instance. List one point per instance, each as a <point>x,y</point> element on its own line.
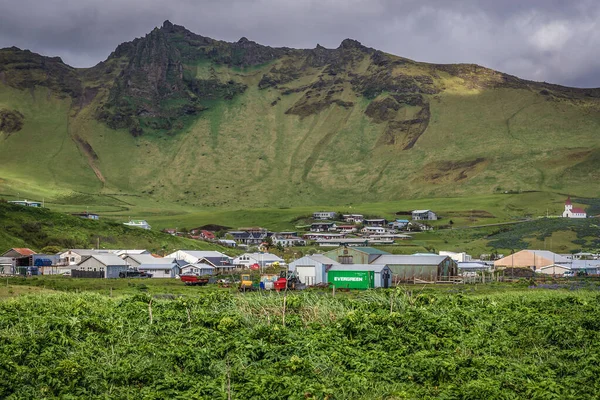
<point>37,228</point>
<point>178,117</point>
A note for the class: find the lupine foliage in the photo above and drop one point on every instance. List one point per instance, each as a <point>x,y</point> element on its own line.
<point>373,345</point>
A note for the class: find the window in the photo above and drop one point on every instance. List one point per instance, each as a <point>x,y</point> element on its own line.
<point>167,271</point>
<point>72,258</point>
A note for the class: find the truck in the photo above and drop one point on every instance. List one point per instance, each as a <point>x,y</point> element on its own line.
<point>193,280</point>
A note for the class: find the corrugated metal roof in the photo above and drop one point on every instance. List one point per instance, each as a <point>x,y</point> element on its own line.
<point>322,259</point>
<point>150,259</point>
<point>359,267</point>
<point>107,259</point>
<point>410,260</point>
<point>199,265</point>
<point>156,266</point>
<point>203,254</point>
<point>549,255</point>
<point>370,250</point>
<point>23,251</point>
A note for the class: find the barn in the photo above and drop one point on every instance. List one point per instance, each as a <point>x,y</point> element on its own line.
<point>355,255</point>
<point>422,267</point>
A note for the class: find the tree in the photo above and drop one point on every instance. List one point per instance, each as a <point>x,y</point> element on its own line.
<point>51,250</point>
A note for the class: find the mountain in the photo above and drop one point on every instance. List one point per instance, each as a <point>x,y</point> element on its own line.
<point>178,117</point>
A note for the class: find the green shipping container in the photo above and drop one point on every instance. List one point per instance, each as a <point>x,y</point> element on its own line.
<point>351,279</point>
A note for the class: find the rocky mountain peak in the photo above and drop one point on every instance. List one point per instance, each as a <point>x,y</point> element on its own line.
<point>351,44</point>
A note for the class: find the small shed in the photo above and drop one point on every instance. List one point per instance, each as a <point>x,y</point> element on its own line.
<point>312,270</point>
<point>198,269</point>
<point>360,276</point>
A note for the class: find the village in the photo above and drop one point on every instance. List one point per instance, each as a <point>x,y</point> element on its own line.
<point>346,244</point>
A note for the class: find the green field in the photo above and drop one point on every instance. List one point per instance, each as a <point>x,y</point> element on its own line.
<point>458,342</point>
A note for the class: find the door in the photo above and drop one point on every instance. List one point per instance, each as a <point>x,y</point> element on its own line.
<point>307,274</point>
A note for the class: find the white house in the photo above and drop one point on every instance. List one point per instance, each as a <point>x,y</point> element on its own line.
<point>312,270</point>
<point>135,260</point>
<point>164,270</point>
<point>353,218</point>
<point>373,230</point>
<point>194,256</point>
<point>123,253</point>
<point>198,269</point>
<point>424,215</point>
<point>573,212</point>
<point>288,241</point>
<point>458,257</point>
<point>26,203</point>
<point>138,223</point>
<point>75,256</point>
<point>109,264</point>
<point>324,215</point>
<point>262,259</point>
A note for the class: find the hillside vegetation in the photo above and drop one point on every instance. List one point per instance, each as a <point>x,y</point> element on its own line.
<point>37,228</point>
<point>181,118</point>
<point>392,344</point>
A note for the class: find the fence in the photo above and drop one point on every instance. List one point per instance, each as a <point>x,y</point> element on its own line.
<point>86,274</point>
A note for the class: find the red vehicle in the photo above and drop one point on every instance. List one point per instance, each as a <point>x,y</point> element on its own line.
<point>291,282</point>
<point>193,280</point>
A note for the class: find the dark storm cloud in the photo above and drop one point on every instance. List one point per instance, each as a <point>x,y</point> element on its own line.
<point>546,40</point>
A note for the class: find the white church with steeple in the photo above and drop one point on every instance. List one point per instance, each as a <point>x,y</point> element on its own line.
<point>571,212</point>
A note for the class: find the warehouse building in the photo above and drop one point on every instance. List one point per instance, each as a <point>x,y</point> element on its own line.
<point>312,270</point>
<point>534,259</point>
<point>423,267</point>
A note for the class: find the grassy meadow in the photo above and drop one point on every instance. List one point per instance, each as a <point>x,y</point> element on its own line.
<point>484,341</point>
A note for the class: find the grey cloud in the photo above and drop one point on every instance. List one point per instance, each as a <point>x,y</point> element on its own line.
<point>546,40</point>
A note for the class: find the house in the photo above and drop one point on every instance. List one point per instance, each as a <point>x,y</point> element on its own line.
<point>100,266</point>
<point>250,237</point>
<point>36,260</point>
<point>322,227</point>
<point>355,255</point>
<point>398,224</point>
<point>170,231</point>
<point>324,215</point>
<point>312,270</point>
<point>359,242</point>
<point>261,259</point>
<point>75,256</point>
<point>458,257</point>
<point>427,267</point>
<point>207,235</point>
<point>138,223</point>
<point>26,203</point>
<point>533,259</point>
<point>353,218</point>
<point>316,236</point>
<point>135,260</point>
<point>18,252</point>
<point>160,270</point>
<point>288,241</point>
<point>86,215</point>
<point>227,242</point>
<point>589,267</point>
<point>424,215</point>
<point>373,230</point>
<point>340,275</point>
<point>123,253</point>
<point>198,269</point>
<point>346,228</point>
<point>380,222</point>
<point>573,212</point>
<point>214,258</point>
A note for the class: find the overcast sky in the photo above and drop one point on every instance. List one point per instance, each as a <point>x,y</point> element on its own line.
<point>545,40</point>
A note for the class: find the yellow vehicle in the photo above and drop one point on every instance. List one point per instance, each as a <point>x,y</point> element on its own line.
<point>246,283</point>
